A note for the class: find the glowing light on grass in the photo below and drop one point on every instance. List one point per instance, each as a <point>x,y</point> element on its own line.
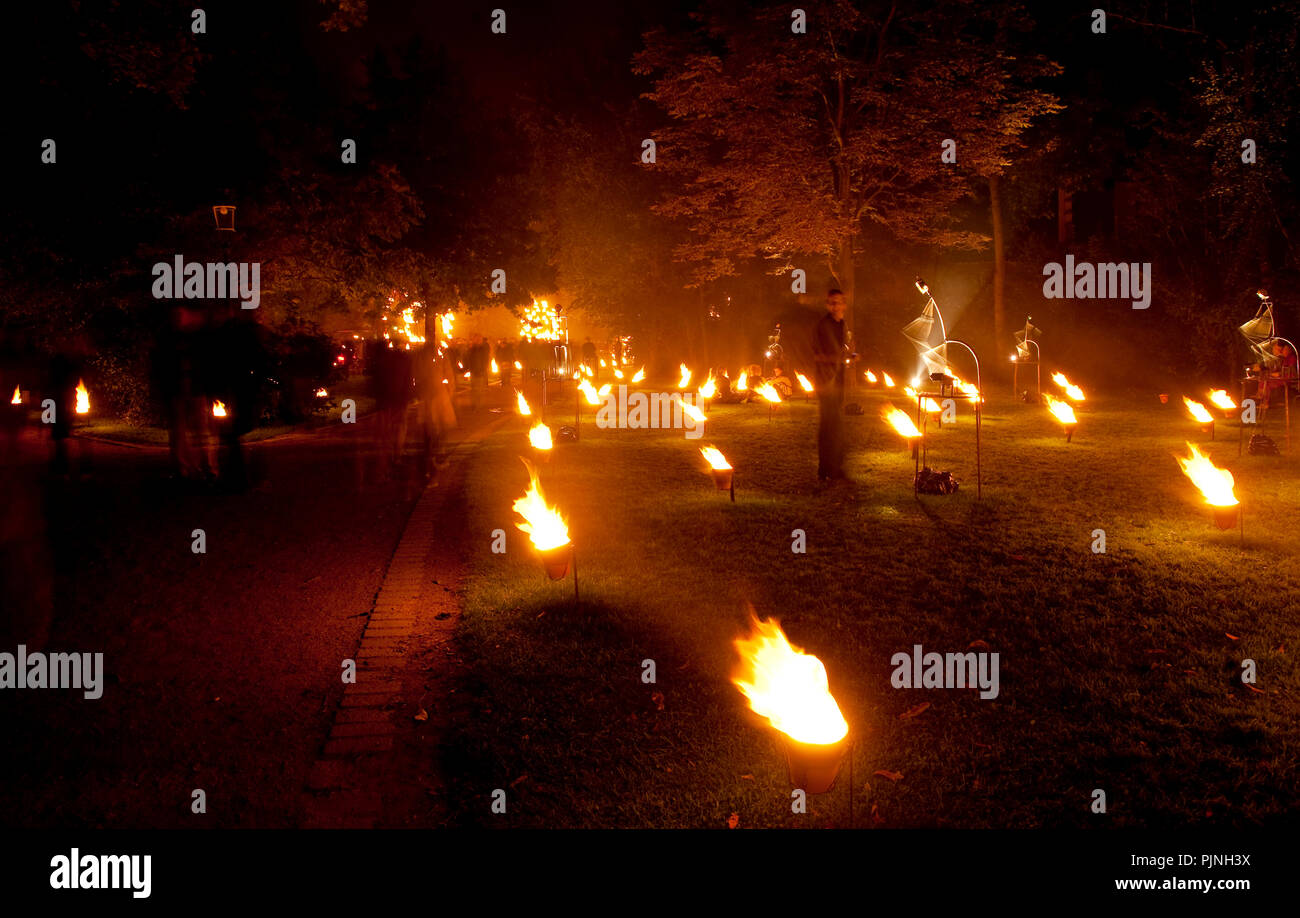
<point>787,686</point>
<point>1198,411</point>
<point>1214,483</point>
<point>83,398</point>
<point>539,435</point>
<point>902,423</point>
<point>1072,392</point>
<point>544,525</point>
<point>1222,400</point>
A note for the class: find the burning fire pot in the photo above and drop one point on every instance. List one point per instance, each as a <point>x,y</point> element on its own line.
<point>1226,517</point>
<point>813,767</point>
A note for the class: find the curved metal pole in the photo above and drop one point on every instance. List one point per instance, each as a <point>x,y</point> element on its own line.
<point>979,386</point>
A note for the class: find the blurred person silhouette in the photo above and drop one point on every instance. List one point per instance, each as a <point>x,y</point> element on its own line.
<point>392,385</point>
<point>477,359</point>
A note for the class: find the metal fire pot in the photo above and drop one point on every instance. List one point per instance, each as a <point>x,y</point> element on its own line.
<point>556,561</point>
<point>722,478</point>
<point>814,767</point>
<point>1226,517</point>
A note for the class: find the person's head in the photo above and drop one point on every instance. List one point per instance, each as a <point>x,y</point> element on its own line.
<point>835,303</point>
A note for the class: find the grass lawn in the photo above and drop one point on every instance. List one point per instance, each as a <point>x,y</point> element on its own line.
<point>1118,671</point>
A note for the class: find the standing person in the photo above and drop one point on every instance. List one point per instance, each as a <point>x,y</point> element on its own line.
<point>478,359</point>
<point>505,362</point>
<point>828,352</point>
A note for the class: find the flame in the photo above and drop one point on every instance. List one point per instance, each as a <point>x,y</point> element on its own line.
<point>447,319</point>
<point>495,369</point>
<point>589,391</point>
<point>1214,483</point>
<point>928,405</point>
<point>1062,411</point>
<point>1072,392</point>
<point>1198,411</point>
<point>618,374</point>
<point>521,403</point>
<point>693,413</point>
<point>322,393</point>
<point>803,381</point>
<point>686,376</point>
<point>639,375</point>
<point>1222,400</point>
<point>83,398</point>
<point>901,423</point>
<point>540,436</point>
<point>715,458</point>
<point>710,387</point>
<point>969,389</point>
<point>889,380</point>
<point>787,686</point>
<point>18,397</point>
<point>544,525</point>
<point>518,365</point>
<point>586,370</point>
<point>602,361</point>
<point>769,393</point>
<point>742,384</point>
<point>218,409</point>
<point>871,377</point>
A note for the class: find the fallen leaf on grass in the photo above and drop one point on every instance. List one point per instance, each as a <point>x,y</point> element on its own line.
<point>913,712</point>
<point>747,777</point>
<point>518,780</point>
<point>1257,691</point>
<point>733,820</point>
<point>1232,637</point>
<point>891,775</point>
<point>422,714</point>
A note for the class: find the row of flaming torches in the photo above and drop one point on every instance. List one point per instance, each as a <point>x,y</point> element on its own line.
<point>783,684</point>
<point>82,405</point>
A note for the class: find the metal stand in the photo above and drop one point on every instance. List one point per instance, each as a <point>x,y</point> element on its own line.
<point>573,560</point>
<point>923,418</point>
<point>1038,371</point>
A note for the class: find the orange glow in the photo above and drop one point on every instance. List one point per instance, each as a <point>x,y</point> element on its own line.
<point>544,525</point>
<point>715,458</point>
<point>1062,411</point>
<point>787,686</point>
<point>1222,400</point>
<point>1214,483</point>
<point>1198,411</point>
<point>902,424</point>
<point>83,398</point>
<point>1072,392</point>
<point>521,403</point>
<point>539,435</point>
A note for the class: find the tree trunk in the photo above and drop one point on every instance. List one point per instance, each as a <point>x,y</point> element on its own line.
<point>999,264</point>
<point>844,277</point>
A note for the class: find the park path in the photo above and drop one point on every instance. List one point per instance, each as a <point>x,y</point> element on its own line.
<point>379,765</point>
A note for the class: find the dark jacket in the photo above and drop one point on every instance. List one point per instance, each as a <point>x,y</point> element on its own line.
<point>828,350</point>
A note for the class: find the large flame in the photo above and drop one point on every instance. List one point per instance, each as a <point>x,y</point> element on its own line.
<point>804,382</point>
<point>589,392</point>
<point>639,375</point>
<point>18,397</point>
<point>710,387</point>
<point>540,436</point>
<point>521,403</point>
<point>715,458</point>
<point>902,424</point>
<point>1222,400</point>
<point>871,377</point>
<point>889,380</point>
<point>1198,411</point>
<point>1215,484</point>
<point>742,384</point>
<point>543,524</point>
<point>787,686</point>
<point>1062,411</point>
<point>495,369</point>
<point>83,398</point>
<point>686,376</point>
<point>218,409</point>
<point>768,392</point>
<point>695,414</point>
<point>1072,392</point>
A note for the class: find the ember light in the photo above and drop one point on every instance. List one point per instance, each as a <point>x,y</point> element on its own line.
<point>540,323</point>
<point>1215,484</point>
<point>790,689</point>
<point>1072,392</point>
<point>1063,412</point>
